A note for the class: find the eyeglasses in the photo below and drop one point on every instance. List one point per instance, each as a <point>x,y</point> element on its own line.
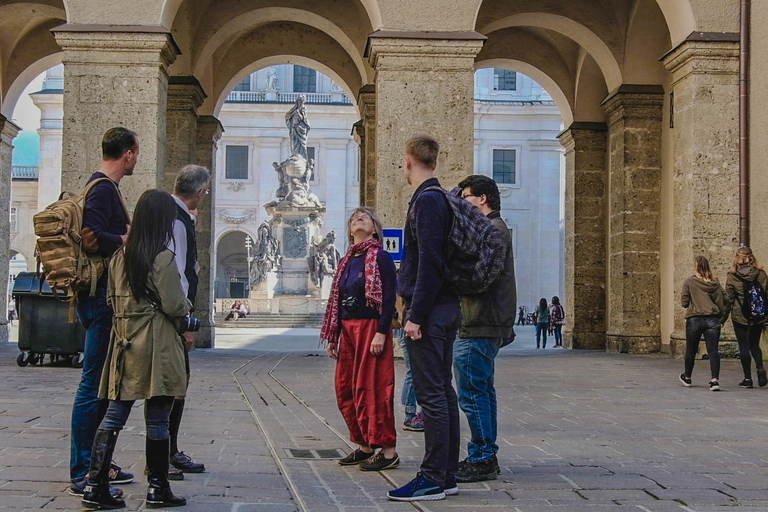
<point>360,217</point>
<point>464,196</point>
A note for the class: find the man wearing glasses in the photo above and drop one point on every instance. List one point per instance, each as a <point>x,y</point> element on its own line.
<point>487,322</point>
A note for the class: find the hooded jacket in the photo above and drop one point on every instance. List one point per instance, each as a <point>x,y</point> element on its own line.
<point>702,298</point>
<point>734,292</point>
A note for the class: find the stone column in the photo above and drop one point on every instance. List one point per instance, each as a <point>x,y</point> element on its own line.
<point>8,132</point>
<point>185,95</point>
<point>634,218</point>
<point>424,84</point>
<point>209,132</point>
<point>705,82</point>
<point>366,134</point>
<point>114,77</point>
<point>586,188</point>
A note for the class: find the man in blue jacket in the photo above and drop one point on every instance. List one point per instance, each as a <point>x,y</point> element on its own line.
<point>432,320</point>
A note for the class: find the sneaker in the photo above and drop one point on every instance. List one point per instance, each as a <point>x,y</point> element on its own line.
<point>379,463</point>
<point>415,423</point>
<point>685,380</point>
<point>418,489</point>
<point>762,378</point>
<point>746,383</point>
<point>185,463</point>
<point>78,489</point>
<point>451,488</point>
<point>477,471</point>
<point>118,476</point>
<point>354,458</point>
<point>496,464</point>
<point>714,385</point>
<point>174,473</point>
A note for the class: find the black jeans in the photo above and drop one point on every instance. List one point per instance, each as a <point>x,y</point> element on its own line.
<point>695,327</point>
<point>749,345</point>
<point>431,364</point>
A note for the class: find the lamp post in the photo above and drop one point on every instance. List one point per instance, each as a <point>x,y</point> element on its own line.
<point>248,246</point>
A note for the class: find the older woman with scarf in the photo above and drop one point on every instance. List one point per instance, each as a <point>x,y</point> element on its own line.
<point>357,330</point>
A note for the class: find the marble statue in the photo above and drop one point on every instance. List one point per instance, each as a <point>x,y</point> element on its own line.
<point>266,255</point>
<point>271,81</point>
<point>298,127</point>
<point>324,259</point>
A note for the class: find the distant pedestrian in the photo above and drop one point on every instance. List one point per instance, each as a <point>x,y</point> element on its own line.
<point>702,296</point>
<point>487,321</point>
<point>358,331</point>
<point>557,319</point>
<point>542,322</point>
<point>746,285</point>
<point>521,316</point>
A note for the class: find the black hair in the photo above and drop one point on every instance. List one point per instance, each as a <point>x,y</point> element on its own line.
<point>543,304</point>
<point>482,185</point>
<point>151,231</point>
<point>117,141</point>
<point>555,300</point>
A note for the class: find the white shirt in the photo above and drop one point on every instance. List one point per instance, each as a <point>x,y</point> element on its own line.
<point>178,245</point>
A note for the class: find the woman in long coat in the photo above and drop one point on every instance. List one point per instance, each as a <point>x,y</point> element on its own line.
<point>145,359</point>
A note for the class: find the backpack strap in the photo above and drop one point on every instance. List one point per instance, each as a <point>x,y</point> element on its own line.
<point>95,182</point>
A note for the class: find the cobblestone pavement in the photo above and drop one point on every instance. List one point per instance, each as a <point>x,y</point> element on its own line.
<point>578,431</point>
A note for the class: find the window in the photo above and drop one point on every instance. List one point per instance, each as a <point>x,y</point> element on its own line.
<point>14,219</point>
<point>504,80</point>
<point>504,165</point>
<point>237,163</point>
<point>244,85</point>
<point>311,156</point>
<point>304,79</point>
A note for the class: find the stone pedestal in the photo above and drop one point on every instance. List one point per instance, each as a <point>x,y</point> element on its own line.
<point>705,82</point>
<point>295,227</point>
<point>424,85</point>
<point>8,132</point>
<point>209,132</point>
<point>634,219</point>
<point>114,77</point>
<point>585,225</point>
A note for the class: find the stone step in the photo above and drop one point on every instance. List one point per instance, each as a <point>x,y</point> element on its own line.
<point>272,321</point>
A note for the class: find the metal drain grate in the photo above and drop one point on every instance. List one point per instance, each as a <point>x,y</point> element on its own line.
<point>298,453</point>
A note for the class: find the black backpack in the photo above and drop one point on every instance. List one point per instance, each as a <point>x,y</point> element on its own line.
<point>755,300</point>
<point>474,251</point>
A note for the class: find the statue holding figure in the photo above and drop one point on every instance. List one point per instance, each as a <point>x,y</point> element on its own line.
<point>271,81</point>
<point>324,259</point>
<point>266,255</point>
<point>298,127</point>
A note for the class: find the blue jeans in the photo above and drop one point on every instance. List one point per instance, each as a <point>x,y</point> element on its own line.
<point>558,335</point>
<point>156,412</point>
<point>432,366</point>
<point>408,396</point>
<point>88,410</point>
<point>541,329</point>
<point>473,366</point>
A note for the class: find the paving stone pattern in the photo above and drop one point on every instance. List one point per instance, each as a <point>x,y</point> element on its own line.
<point>578,431</point>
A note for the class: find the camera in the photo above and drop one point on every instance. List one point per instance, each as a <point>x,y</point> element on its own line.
<point>350,303</point>
<point>189,324</point>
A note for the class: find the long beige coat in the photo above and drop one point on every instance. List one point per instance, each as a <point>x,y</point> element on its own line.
<point>146,354</point>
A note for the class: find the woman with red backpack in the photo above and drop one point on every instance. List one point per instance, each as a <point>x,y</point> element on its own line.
<point>746,286</point>
<point>557,319</point>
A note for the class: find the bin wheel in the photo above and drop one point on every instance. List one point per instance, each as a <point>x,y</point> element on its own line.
<point>77,361</point>
<point>35,358</point>
<point>23,359</point>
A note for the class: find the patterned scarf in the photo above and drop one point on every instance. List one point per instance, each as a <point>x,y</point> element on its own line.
<point>373,293</point>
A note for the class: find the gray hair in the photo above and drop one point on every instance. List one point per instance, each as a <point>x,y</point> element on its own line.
<point>191,180</point>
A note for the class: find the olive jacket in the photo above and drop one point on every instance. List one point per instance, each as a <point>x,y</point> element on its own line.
<point>702,298</point>
<point>146,354</point>
<point>734,292</point>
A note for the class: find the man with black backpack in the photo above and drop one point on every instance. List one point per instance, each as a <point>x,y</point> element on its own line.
<point>105,229</point>
<point>487,321</point>
<point>432,320</point>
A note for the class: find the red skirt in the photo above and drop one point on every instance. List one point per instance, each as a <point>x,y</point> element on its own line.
<point>365,385</point>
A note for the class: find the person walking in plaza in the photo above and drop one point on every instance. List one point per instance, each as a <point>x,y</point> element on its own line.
<point>521,316</point>
<point>357,330</point>
<point>557,319</point>
<point>542,322</point>
<point>105,228</point>
<point>190,189</point>
<point>487,324</point>
<point>746,287</point>
<point>702,296</point>
<point>431,324</point>
<point>145,359</point>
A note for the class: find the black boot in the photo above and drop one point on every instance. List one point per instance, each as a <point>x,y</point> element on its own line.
<point>159,493</point>
<point>97,495</point>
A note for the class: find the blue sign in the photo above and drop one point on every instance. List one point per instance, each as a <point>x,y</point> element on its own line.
<point>393,243</point>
